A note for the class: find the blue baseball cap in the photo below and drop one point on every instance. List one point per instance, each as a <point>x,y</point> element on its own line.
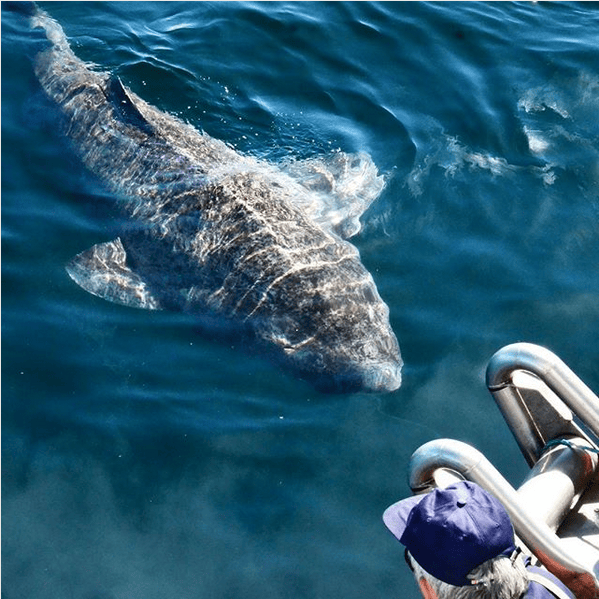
<point>451,531</point>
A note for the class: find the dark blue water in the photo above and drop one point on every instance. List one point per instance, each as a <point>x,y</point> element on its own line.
<point>142,459</point>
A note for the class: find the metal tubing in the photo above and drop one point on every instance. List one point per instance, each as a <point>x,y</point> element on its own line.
<point>472,464</point>
<point>557,481</point>
<point>520,422</point>
<point>552,371</point>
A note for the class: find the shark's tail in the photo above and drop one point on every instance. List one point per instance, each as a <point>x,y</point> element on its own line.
<point>54,32</point>
<point>38,18</point>
<point>59,71</point>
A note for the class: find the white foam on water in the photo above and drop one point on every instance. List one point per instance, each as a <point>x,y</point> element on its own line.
<point>453,156</point>
<point>537,143</point>
<point>558,122</point>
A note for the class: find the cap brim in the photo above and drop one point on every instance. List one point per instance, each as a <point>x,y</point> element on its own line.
<point>396,516</point>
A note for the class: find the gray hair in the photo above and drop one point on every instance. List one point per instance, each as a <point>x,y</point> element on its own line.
<point>497,578</point>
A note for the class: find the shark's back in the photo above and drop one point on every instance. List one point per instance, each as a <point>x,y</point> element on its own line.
<point>219,232</point>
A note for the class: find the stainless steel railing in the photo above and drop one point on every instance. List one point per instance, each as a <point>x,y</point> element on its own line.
<point>527,426</point>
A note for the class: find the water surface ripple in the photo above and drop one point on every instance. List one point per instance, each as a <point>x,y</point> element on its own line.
<point>143,459</point>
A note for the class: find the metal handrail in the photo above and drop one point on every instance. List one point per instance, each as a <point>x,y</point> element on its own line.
<point>536,534</point>
<point>552,371</point>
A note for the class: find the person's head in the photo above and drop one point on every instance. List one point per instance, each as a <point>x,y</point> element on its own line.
<point>459,542</point>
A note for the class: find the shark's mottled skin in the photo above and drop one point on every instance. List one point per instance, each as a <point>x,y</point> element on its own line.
<point>218,233</point>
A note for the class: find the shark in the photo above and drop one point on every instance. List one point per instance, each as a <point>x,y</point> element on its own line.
<point>224,235</point>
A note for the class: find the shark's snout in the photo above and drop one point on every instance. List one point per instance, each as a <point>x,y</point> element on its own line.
<point>369,377</point>
<point>381,377</point>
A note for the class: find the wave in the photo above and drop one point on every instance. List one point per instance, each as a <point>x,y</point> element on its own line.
<point>557,123</point>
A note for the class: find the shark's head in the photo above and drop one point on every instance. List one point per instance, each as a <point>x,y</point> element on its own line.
<point>339,339</point>
<point>365,378</point>
<point>370,364</point>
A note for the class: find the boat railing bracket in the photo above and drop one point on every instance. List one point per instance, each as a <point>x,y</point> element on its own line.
<point>540,398</point>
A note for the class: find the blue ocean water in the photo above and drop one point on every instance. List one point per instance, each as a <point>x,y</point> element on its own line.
<point>141,458</point>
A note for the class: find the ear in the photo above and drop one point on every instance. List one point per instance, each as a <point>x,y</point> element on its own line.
<point>426,589</point>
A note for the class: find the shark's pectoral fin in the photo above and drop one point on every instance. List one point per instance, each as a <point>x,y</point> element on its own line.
<point>342,188</point>
<point>103,271</point>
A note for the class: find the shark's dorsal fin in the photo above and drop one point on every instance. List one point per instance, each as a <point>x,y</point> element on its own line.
<point>124,106</point>
<point>103,271</point>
